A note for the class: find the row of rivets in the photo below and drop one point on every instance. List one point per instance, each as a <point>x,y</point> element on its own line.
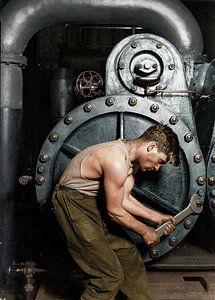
<point>159,46</point>
<point>173,241</point>
<point>43,159</point>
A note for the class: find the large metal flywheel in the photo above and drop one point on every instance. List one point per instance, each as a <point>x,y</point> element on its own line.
<point>126,116</point>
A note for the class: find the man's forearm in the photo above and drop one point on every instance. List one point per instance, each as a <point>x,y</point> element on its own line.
<point>134,207</point>
<point>125,219</point>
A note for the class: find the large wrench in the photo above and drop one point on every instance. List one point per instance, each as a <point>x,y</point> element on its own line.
<point>195,207</point>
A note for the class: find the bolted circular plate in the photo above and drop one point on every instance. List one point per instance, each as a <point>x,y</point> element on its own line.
<point>168,190</point>
<point>151,58</point>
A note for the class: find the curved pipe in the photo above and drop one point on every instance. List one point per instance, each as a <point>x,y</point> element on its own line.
<point>170,19</point>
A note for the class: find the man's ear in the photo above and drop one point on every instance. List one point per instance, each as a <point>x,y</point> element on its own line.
<point>152,145</point>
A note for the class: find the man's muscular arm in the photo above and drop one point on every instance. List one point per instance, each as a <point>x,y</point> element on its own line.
<point>115,175</point>
<point>136,208</point>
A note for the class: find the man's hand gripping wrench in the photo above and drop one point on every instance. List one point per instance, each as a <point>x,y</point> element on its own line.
<point>195,207</point>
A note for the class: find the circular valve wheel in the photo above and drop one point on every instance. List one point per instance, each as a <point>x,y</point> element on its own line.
<point>89,84</point>
<point>122,116</point>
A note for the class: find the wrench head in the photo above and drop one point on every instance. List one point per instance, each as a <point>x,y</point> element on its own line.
<point>196,204</point>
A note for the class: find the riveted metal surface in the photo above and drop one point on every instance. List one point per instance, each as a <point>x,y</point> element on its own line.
<point>151,61</point>
<point>171,187</point>
<point>211,176</point>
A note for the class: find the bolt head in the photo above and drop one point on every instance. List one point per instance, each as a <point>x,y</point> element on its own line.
<point>159,45</point>
<point>211,180</point>
<point>132,101</point>
<point>40,180</point>
<point>133,88</point>
<point>68,120</point>
<point>44,158</point>
<point>154,108</point>
<point>188,224</point>
<point>88,107</point>
<point>188,137</point>
<point>173,241</point>
<point>198,158</point>
<point>200,180</point>
<point>121,66</point>
<point>109,101</point>
<point>171,67</point>
<point>134,44</point>
<point>154,253</point>
<point>40,169</point>
<point>53,137</point>
<point>173,120</point>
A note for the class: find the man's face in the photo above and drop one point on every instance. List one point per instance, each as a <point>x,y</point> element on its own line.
<point>152,160</point>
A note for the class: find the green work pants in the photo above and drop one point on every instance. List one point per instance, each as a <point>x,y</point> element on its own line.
<point>112,262</point>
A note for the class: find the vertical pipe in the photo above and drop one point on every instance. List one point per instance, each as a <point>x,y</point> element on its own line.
<point>62,100</point>
<point>10,138</point>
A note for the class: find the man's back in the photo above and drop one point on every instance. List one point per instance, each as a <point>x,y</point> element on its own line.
<point>85,170</point>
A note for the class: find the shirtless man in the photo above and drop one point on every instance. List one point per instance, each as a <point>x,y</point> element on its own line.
<point>86,216</point>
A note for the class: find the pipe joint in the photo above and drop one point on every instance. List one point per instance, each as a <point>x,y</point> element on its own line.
<point>17,59</point>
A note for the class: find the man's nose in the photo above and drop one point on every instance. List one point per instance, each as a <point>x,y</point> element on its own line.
<point>157,167</point>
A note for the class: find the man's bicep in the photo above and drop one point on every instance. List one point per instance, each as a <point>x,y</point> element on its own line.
<point>114,179</point>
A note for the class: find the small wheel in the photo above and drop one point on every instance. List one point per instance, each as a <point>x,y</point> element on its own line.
<point>89,84</point>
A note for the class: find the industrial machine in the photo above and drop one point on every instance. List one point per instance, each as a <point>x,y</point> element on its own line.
<point>156,73</point>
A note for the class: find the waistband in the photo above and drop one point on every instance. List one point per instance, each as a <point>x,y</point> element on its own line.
<point>67,189</point>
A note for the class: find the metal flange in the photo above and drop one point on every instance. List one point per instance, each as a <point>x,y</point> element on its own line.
<point>170,189</point>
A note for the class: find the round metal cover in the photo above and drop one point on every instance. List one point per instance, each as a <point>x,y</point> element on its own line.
<point>110,118</point>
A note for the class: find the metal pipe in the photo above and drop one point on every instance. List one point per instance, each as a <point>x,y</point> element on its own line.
<point>170,19</point>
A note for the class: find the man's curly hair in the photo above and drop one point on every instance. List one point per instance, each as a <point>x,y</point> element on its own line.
<point>167,141</point>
